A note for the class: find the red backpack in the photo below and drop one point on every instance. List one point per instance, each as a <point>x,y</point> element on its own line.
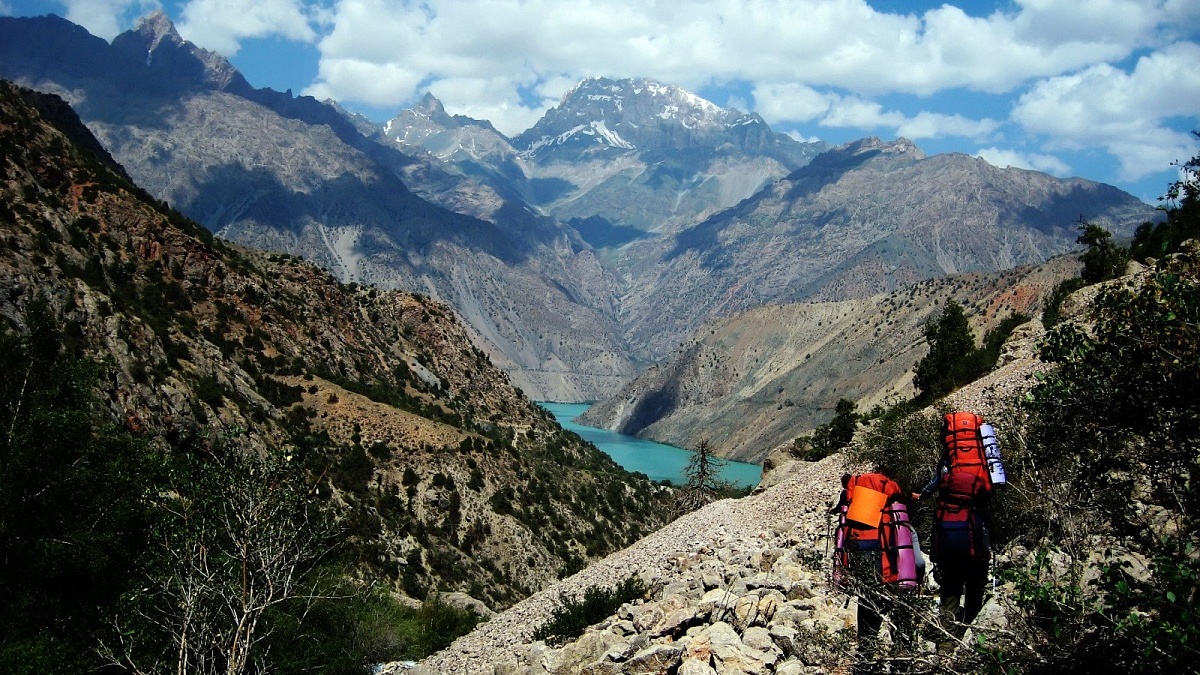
<point>966,480</point>
<point>965,488</point>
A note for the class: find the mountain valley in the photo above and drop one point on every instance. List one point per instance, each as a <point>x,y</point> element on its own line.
<point>752,382</point>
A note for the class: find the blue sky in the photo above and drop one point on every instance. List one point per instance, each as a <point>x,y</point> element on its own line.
<point>1104,89</point>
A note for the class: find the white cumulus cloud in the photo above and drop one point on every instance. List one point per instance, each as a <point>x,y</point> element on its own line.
<point>800,50</point>
<point>104,18</point>
<point>221,25</point>
<point>798,103</point>
<point>1036,161</point>
<point>1124,112</point>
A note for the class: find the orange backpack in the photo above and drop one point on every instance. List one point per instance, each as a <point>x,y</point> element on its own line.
<point>868,518</point>
<point>966,480</point>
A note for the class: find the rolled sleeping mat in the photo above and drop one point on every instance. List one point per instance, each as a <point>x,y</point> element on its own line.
<point>906,548</point>
<point>839,546</point>
<point>991,451</point>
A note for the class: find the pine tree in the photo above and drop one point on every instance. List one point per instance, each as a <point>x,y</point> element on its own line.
<point>1103,260</point>
<point>951,350</point>
<point>703,476</point>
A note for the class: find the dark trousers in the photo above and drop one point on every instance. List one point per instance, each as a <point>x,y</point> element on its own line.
<point>875,598</point>
<point>962,580</point>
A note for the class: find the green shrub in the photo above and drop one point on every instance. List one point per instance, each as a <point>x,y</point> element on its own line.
<point>951,345</point>
<point>75,502</point>
<point>577,612</point>
<point>903,444</point>
<point>831,436</point>
<point>1052,311</point>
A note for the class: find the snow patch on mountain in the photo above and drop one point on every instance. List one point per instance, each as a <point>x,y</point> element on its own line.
<point>614,139</point>
<point>596,129</point>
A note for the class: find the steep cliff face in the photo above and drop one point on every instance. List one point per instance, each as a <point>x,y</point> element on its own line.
<point>757,379</point>
<point>450,475</point>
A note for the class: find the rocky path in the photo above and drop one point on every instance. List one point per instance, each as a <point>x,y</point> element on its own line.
<point>725,558</point>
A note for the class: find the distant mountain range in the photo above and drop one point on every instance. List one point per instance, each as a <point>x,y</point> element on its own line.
<point>616,158</point>
<point>297,176</point>
<point>590,245</point>
<point>861,219</point>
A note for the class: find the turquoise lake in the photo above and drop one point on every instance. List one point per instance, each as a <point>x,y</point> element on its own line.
<point>656,460</point>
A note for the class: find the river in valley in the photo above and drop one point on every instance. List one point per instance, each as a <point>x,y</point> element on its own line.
<point>656,460</point>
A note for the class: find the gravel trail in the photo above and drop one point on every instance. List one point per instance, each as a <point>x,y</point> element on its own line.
<point>796,505</point>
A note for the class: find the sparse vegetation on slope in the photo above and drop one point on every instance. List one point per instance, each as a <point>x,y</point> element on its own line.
<point>435,472</point>
<point>755,381</point>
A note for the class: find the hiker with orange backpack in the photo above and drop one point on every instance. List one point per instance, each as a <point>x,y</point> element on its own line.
<point>875,554</point>
<point>961,543</point>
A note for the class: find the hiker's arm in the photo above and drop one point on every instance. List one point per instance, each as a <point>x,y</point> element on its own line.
<point>842,501</point>
<point>931,485</point>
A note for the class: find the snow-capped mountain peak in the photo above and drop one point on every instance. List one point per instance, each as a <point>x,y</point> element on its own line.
<point>618,116</point>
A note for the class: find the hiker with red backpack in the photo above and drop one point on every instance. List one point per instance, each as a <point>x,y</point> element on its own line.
<point>966,475</point>
<point>875,555</point>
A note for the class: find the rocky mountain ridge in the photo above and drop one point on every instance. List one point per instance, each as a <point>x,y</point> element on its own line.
<point>737,586</point>
<point>614,157</point>
<point>417,439</point>
<point>869,217</point>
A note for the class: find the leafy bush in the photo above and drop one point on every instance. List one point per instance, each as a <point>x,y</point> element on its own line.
<point>953,359</point>
<point>1052,310</point>
<point>1104,259</point>
<point>1112,434</point>
<point>578,612</point>
<point>904,444</point>
<point>1183,217</point>
<point>832,436</point>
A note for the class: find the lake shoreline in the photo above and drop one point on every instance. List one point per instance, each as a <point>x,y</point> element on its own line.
<point>658,461</point>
